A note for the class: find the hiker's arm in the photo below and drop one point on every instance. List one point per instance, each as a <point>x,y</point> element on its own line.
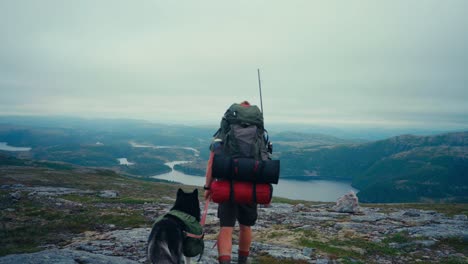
<point>209,177</point>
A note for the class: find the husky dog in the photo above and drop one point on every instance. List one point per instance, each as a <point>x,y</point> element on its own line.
<point>165,242</point>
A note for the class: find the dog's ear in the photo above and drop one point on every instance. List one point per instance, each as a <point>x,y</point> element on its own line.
<point>195,192</point>
<point>179,192</point>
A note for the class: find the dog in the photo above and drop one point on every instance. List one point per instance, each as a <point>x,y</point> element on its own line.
<point>165,242</point>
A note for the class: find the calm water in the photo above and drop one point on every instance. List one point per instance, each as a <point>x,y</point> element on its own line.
<point>5,146</point>
<point>313,190</point>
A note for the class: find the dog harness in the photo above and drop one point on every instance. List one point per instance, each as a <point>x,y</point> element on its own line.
<point>193,243</point>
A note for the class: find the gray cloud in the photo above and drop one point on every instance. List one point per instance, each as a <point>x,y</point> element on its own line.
<point>387,63</point>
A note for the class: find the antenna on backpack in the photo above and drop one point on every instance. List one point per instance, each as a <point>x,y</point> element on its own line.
<point>267,140</point>
<point>260,89</point>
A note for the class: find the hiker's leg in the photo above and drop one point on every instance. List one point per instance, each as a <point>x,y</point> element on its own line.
<point>245,239</point>
<point>225,244</point>
<point>227,219</point>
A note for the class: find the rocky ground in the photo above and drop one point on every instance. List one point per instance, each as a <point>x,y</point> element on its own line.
<point>285,233</point>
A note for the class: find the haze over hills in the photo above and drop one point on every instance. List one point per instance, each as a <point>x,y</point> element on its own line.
<point>403,168</point>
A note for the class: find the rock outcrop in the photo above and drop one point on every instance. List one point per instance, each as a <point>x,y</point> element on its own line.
<point>348,203</point>
<point>64,256</point>
<point>301,232</point>
<point>424,229</point>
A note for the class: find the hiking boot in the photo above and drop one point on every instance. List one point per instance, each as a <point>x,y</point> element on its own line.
<point>242,260</point>
<point>242,256</point>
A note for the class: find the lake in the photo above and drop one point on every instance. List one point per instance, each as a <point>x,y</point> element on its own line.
<point>6,147</point>
<point>311,190</point>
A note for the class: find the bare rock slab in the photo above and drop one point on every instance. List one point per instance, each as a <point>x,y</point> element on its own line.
<point>63,256</point>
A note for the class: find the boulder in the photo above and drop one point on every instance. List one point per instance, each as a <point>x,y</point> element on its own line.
<point>15,195</point>
<point>347,203</point>
<point>108,194</point>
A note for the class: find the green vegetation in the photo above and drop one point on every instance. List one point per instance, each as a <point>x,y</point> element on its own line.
<point>93,199</point>
<point>99,143</point>
<point>33,221</point>
<point>196,168</point>
<point>448,209</point>
<point>274,234</point>
<point>460,245</point>
<point>352,248</point>
<point>37,224</point>
<point>360,250</point>
<point>402,237</point>
<point>454,260</point>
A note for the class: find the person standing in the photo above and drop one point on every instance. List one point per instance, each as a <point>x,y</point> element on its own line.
<point>230,212</point>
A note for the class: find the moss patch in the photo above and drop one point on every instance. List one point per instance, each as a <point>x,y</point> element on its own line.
<point>349,248</point>
<point>448,209</point>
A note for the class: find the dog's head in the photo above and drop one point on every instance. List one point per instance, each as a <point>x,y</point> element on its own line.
<point>188,203</point>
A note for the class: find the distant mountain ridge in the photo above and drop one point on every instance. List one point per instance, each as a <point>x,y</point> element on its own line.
<point>289,140</point>
<point>311,138</point>
<point>403,168</point>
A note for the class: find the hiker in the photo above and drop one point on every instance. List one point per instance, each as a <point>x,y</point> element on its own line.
<point>229,212</point>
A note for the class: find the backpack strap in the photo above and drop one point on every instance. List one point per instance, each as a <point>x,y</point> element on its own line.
<point>231,191</point>
<point>217,132</point>
<point>187,234</point>
<point>266,136</point>
<point>254,194</point>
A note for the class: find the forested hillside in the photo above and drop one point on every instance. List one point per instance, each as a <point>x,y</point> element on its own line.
<point>402,168</point>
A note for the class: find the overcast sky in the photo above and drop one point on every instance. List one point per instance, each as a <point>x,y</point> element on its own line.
<point>335,63</point>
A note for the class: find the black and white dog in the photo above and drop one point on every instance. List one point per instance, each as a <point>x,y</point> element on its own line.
<point>165,242</point>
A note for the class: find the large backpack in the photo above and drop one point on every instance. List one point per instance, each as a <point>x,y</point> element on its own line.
<point>242,133</point>
<point>242,164</point>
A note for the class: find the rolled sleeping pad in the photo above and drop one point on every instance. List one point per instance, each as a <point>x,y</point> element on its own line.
<point>271,171</point>
<point>242,192</point>
<point>259,171</point>
<point>245,169</point>
<point>221,168</point>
